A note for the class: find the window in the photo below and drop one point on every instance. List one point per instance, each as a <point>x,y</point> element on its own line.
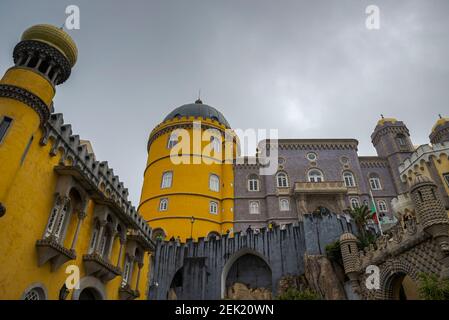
<point>172,140</point>
<point>27,148</point>
<point>163,204</point>
<point>253,183</point>
<point>61,221</point>
<point>35,293</point>
<point>214,183</point>
<point>167,179</point>
<point>311,156</point>
<point>348,178</point>
<point>284,205</point>
<point>382,206</point>
<point>315,176</point>
<point>374,182</point>
<point>126,272</point>
<point>355,203</point>
<point>213,207</point>
<point>402,141</point>
<point>216,143</point>
<point>4,126</point>
<point>93,242</point>
<point>282,180</point>
<point>254,207</point>
<point>446,178</point>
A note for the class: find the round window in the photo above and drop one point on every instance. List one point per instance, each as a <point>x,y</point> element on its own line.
<point>344,160</point>
<point>311,156</point>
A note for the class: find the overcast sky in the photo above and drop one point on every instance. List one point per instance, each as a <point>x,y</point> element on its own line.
<point>308,68</point>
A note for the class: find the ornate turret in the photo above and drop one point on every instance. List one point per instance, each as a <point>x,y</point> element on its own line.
<point>430,210</point>
<point>391,139</point>
<point>440,131</point>
<point>350,255</point>
<point>43,59</point>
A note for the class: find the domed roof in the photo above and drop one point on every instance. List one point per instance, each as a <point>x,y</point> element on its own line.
<point>55,37</point>
<point>198,109</point>
<point>441,121</point>
<point>348,237</point>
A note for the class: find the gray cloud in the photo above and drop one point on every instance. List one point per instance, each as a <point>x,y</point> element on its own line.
<point>309,68</point>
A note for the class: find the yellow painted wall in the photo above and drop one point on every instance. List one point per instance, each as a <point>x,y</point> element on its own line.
<point>189,194</point>
<point>27,191</point>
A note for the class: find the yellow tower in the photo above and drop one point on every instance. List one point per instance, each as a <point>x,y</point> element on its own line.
<point>188,189</point>
<point>43,58</point>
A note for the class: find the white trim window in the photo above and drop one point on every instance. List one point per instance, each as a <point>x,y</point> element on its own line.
<point>402,140</point>
<point>167,179</point>
<point>374,182</point>
<point>355,203</point>
<point>382,205</point>
<point>446,178</point>
<point>213,207</point>
<point>163,204</point>
<point>214,183</point>
<point>172,140</point>
<point>253,183</point>
<point>315,175</point>
<point>215,143</point>
<point>348,178</point>
<point>284,204</point>
<point>282,180</point>
<point>254,207</point>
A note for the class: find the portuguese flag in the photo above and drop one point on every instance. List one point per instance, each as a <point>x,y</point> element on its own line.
<point>374,213</point>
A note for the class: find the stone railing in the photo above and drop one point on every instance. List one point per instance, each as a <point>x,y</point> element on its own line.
<point>321,187</point>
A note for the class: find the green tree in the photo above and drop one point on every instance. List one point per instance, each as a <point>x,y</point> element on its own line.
<point>361,215</point>
<point>431,287</point>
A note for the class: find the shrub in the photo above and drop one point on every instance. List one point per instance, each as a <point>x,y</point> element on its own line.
<point>433,288</point>
<point>333,252</point>
<point>295,294</point>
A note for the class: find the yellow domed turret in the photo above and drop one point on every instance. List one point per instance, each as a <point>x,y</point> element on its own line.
<point>440,131</point>
<point>383,120</point>
<point>54,36</point>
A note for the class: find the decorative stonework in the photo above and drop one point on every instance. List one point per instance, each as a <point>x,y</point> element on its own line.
<point>36,48</point>
<point>28,98</point>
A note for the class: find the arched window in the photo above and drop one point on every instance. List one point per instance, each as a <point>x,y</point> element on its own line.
<point>126,271</point>
<point>253,183</point>
<point>167,178</point>
<point>254,207</point>
<point>382,205</point>
<point>374,181</point>
<point>282,180</point>
<point>401,139</point>
<point>213,235</point>
<point>213,207</point>
<point>315,175</point>
<point>214,183</point>
<point>158,234</point>
<point>172,140</point>
<point>94,239</point>
<point>355,203</point>
<point>35,293</point>
<point>215,143</point>
<point>284,204</point>
<point>163,204</point>
<point>348,178</point>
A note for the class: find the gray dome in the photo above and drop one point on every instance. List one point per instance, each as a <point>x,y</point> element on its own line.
<point>198,109</point>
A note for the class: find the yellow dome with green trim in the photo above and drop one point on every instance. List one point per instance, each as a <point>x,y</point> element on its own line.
<point>54,36</point>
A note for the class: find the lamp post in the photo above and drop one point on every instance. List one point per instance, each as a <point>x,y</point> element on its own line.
<point>192,221</point>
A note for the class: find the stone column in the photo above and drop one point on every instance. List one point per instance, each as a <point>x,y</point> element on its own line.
<point>139,265</point>
<point>122,245</point>
<point>81,215</point>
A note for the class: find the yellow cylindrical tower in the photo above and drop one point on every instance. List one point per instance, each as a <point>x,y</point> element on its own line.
<point>188,187</point>
<point>43,59</point>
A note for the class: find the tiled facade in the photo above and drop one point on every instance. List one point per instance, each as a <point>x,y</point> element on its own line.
<point>334,157</point>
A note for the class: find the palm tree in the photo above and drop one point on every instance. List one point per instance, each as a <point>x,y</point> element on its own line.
<point>361,215</point>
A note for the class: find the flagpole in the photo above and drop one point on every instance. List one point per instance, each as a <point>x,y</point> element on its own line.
<point>377,213</point>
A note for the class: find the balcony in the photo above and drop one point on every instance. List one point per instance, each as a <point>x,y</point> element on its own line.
<point>99,267</point>
<point>325,187</point>
<point>126,293</point>
<point>49,249</point>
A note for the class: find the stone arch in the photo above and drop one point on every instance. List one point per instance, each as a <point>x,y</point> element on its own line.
<point>37,287</point>
<point>93,286</point>
<point>392,275</point>
<point>174,291</point>
<point>230,262</point>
